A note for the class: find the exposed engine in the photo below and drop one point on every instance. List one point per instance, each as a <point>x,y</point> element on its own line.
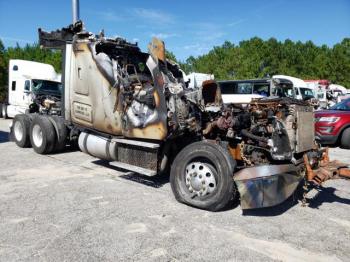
<point>46,104</point>
<point>263,131</point>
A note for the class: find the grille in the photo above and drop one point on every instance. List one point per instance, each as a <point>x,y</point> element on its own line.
<point>138,156</point>
<point>305,135</point>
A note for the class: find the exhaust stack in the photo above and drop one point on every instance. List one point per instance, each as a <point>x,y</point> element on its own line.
<point>75,11</point>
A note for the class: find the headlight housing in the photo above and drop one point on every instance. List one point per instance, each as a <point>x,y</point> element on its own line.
<point>329,119</point>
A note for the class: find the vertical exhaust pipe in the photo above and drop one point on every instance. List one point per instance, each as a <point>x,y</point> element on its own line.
<point>75,10</point>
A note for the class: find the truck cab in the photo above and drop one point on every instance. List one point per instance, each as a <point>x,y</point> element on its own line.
<point>29,80</point>
<point>292,87</point>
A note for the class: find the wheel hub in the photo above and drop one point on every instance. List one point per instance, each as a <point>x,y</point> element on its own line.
<point>18,130</point>
<point>200,178</point>
<point>37,135</point>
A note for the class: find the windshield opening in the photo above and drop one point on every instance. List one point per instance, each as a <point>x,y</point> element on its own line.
<point>306,93</point>
<point>46,86</point>
<point>234,88</point>
<point>284,91</point>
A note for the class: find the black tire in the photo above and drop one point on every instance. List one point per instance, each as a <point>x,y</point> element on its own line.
<point>42,125</point>
<point>1,110</point>
<point>61,134</point>
<point>215,159</point>
<point>345,139</point>
<point>20,130</point>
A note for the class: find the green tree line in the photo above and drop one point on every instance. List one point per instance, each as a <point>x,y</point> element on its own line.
<point>256,58</point>
<point>253,58</point>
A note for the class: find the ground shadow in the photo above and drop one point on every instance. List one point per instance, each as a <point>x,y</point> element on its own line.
<point>67,149</point>
<point>4,137</point>
<point>156,181</point>
<point>326,195</point>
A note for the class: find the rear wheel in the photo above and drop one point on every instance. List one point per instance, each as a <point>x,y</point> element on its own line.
<point>202,176</point>
<point>42,135</point>
<point>345,139</point>
<point>61,133</point>
<point>20,130</point>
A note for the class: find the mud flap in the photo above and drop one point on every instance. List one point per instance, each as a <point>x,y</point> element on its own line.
<point>266,186</point>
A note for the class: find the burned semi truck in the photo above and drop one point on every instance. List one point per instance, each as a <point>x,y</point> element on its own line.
<point>134,110</point>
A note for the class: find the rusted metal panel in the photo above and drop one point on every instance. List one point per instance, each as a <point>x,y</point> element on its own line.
<point>93,89</point>
<point>305,132</point>
<point>157,49</point>
<point>235,152</point>
<point>326,170</point>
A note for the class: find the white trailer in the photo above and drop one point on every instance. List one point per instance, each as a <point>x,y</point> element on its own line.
<point>195,80</point>
<point>25,79</point>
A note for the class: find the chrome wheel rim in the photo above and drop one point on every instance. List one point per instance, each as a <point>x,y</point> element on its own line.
<point>18,130</point>
<point>200,179</point>
<point>37,135</point>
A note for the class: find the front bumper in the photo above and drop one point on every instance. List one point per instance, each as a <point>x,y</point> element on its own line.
<point>266,186</point>
<point>326,139</point>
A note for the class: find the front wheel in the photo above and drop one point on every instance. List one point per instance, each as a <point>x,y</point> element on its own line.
<point>345,139</point>
<point>202,176</point>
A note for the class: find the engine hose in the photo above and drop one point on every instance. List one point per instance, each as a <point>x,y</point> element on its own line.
<point>248,134</point>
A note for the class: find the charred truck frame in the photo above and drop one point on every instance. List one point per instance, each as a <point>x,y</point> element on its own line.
<point>134,110</point>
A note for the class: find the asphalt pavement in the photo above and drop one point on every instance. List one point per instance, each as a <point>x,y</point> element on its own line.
<point>72,207</point>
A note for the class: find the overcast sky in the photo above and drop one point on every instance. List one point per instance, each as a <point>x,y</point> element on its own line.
<point>187,27</point>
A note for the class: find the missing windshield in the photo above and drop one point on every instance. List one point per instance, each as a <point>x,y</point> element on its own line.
<point>40,86</point>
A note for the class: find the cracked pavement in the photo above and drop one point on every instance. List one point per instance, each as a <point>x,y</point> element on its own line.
<point>72,207</point>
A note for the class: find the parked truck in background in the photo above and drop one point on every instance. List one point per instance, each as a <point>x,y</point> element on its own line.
<point>29,84</point>
<point>195,80</point>
<point>244,91</point>
<point>134,110</point>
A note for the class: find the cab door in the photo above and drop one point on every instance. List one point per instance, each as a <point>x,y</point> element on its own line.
<point>27,94</point>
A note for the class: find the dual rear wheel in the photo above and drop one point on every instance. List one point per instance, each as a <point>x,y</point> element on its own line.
<point>39,132</point>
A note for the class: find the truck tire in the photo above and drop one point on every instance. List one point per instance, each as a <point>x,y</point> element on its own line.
<point>20,130</point>
<point>61,133</point>
<point>42,135</point>
<point>202,176</point>
<point>345,139</point>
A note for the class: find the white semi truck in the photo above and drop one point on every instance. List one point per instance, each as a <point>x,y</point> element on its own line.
<point>29,80</point>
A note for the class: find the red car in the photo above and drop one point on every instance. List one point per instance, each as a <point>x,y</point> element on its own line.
<point>332,126</point>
